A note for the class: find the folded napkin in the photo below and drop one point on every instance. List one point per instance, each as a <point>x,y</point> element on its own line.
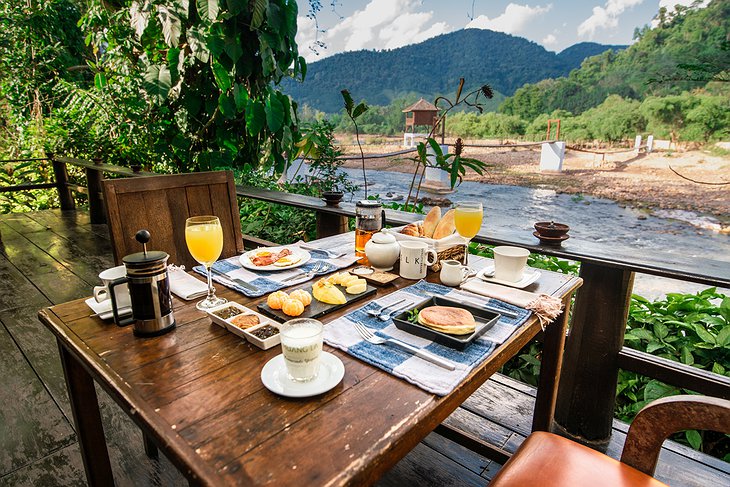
<point>545,307</point>
<point>184,285</point>
<point>104,309</point>
<point>341,334</point>
<point>266,282</point>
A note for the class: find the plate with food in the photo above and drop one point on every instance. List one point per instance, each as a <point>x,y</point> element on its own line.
<point>274,258</point>
<point>313,300</point>
<point>446,321</point>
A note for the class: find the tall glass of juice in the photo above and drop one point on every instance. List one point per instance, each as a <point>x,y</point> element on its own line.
<point>468,217</point>
<point>204,237</point>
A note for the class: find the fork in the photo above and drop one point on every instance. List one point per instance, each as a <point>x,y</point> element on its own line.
<point>331,254</point>
<point>378,312</point>
<point>367,334</point>
<point>318,267</point>
<point>391,313</point>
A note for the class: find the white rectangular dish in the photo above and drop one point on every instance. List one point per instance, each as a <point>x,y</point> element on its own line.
<point>263,344</point>
<point>218,320</point>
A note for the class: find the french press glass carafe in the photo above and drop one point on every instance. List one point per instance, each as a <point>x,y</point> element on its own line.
<point>369,219</point>
<point>149,288</point>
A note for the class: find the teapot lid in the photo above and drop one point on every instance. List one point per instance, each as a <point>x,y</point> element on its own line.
<point>383,238</point>
<point>141,259</point>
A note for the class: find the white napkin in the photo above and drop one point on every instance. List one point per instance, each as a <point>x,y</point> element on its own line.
<point>104,309</point>
<point>184,285</point>
<point>545,307</point>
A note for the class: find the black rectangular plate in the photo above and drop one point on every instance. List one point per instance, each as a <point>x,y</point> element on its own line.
<point>485,320</point>
<point>316,309</point>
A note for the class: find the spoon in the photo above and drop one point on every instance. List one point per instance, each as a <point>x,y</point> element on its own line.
<point>377,312</point>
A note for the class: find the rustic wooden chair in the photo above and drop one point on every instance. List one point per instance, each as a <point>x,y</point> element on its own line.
<point>161,204</point>
<point>549,460</point>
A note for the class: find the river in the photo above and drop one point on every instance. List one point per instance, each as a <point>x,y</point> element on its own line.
<point>598,221</point>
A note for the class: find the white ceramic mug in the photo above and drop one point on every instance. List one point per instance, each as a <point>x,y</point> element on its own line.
<point>414,259</point>
<point>453,273</point>
<point>101,293</point>
<point>509,263</point>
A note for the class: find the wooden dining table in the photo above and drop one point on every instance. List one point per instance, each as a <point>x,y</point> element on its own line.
<point>196,393</point>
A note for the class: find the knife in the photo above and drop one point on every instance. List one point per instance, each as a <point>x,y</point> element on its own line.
<point>238,282</point>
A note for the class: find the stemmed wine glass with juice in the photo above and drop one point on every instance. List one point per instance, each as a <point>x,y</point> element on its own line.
<point>468,217</point>
<point>204,237</point>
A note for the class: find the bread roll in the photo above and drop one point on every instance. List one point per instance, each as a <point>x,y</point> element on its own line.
<point>447,319</point>
<point>445,227</point>
<point>411,229</point>
<point>432,219</point>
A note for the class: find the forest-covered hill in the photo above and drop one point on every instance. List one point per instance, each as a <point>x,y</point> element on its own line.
<point>686,49</point>
<point>434,67</point>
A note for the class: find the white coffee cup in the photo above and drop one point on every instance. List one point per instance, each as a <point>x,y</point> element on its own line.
<point>414,259</point>
<point>453,273</point>
<point>509,263</point>
<point>101,293</point>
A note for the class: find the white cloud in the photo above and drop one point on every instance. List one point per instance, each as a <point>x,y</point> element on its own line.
<point>605,17</point>
<point>381,24</point>
<point>549,40</point>
<point>513,20</point>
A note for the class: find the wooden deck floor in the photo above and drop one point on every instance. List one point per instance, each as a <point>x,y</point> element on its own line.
<point>50,257</point>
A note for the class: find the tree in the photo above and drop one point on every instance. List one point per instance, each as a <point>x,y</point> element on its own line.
<point>200,76</point>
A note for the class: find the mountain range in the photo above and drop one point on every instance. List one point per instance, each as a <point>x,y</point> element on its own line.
<point>433,67</point>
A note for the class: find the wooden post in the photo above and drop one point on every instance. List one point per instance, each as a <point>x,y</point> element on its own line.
<point>587,394</point>
<point>96,198</point>
<point>329,224</point>
<point>64,192</point>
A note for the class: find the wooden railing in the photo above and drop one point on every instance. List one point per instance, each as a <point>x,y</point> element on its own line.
<point>594,347</point>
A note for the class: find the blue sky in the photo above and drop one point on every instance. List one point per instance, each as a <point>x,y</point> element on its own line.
<point>387,24</point>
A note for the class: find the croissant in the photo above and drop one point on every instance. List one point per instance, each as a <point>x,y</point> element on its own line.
<point>411,229</point>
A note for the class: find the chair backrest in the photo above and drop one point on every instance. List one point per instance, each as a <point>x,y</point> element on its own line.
<point>161,204</point>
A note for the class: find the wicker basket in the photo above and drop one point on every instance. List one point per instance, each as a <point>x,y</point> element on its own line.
<point>457,252</point>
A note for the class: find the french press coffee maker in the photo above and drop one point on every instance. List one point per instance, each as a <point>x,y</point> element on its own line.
<point>369,219</point>
<point>149,288</point>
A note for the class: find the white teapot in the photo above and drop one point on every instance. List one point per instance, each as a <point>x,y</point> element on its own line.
<point>382,251</point>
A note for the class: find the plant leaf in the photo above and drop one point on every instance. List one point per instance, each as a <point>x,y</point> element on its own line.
<point>274,113</point>
<point>349,104</point>
<point>255,117</point>
<point>208,9</point>
<point>157,82</point>
<point>258,12</point>
<point>359,110</point>
<point>222,79</point>
<point>100,80</point>
<point>171,26</point>
<point>694,439</point>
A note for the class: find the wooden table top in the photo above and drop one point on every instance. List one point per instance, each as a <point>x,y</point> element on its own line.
<point>197,391</point>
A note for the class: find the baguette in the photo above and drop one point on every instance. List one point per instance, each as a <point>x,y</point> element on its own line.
<point>432,219</point>
<point>445,227</point>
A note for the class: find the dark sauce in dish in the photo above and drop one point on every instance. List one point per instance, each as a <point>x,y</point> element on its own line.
<point>265,332</point>
<point>227,312</point>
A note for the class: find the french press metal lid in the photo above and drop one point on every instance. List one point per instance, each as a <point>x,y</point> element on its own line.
<point>369,215</point>
<point>149,288</point>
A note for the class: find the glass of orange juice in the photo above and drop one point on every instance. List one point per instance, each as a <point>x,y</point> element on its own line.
<point>204,237</point>
<point>468,221</point>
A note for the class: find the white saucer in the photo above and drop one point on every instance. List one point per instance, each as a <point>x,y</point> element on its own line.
<point>275,378</point>
<point>104,309</point>
<point>529,276</point>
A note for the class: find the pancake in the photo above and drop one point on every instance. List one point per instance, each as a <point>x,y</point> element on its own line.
<point>447,319</point>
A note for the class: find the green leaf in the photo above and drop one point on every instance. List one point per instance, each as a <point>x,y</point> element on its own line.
<point>359,110</point>
<point>258,12</point>
<point>642,334</point>
<point>349,104</point>
<point>718,369</point>
<point>100,80</point>
<point>240,96</point>
<point>171,26</point>
<point>654,346</point>
<point>138,19</point>
<point>725,309</point>
<point>274,113</point>
<point>157,82</point>
<point>227,106</point>
<point>694,439</point>
<point>705,335</point>
<point>655,389</point>
<point>686,356</point>
<point>255,117</point>
<point>303,69</point>
<point>208,9</point>
<point>222,79</point>
<point>723,337</point>
<point>661,331</point>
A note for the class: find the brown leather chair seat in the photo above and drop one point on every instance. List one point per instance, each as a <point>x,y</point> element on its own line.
<point>546,460</point>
